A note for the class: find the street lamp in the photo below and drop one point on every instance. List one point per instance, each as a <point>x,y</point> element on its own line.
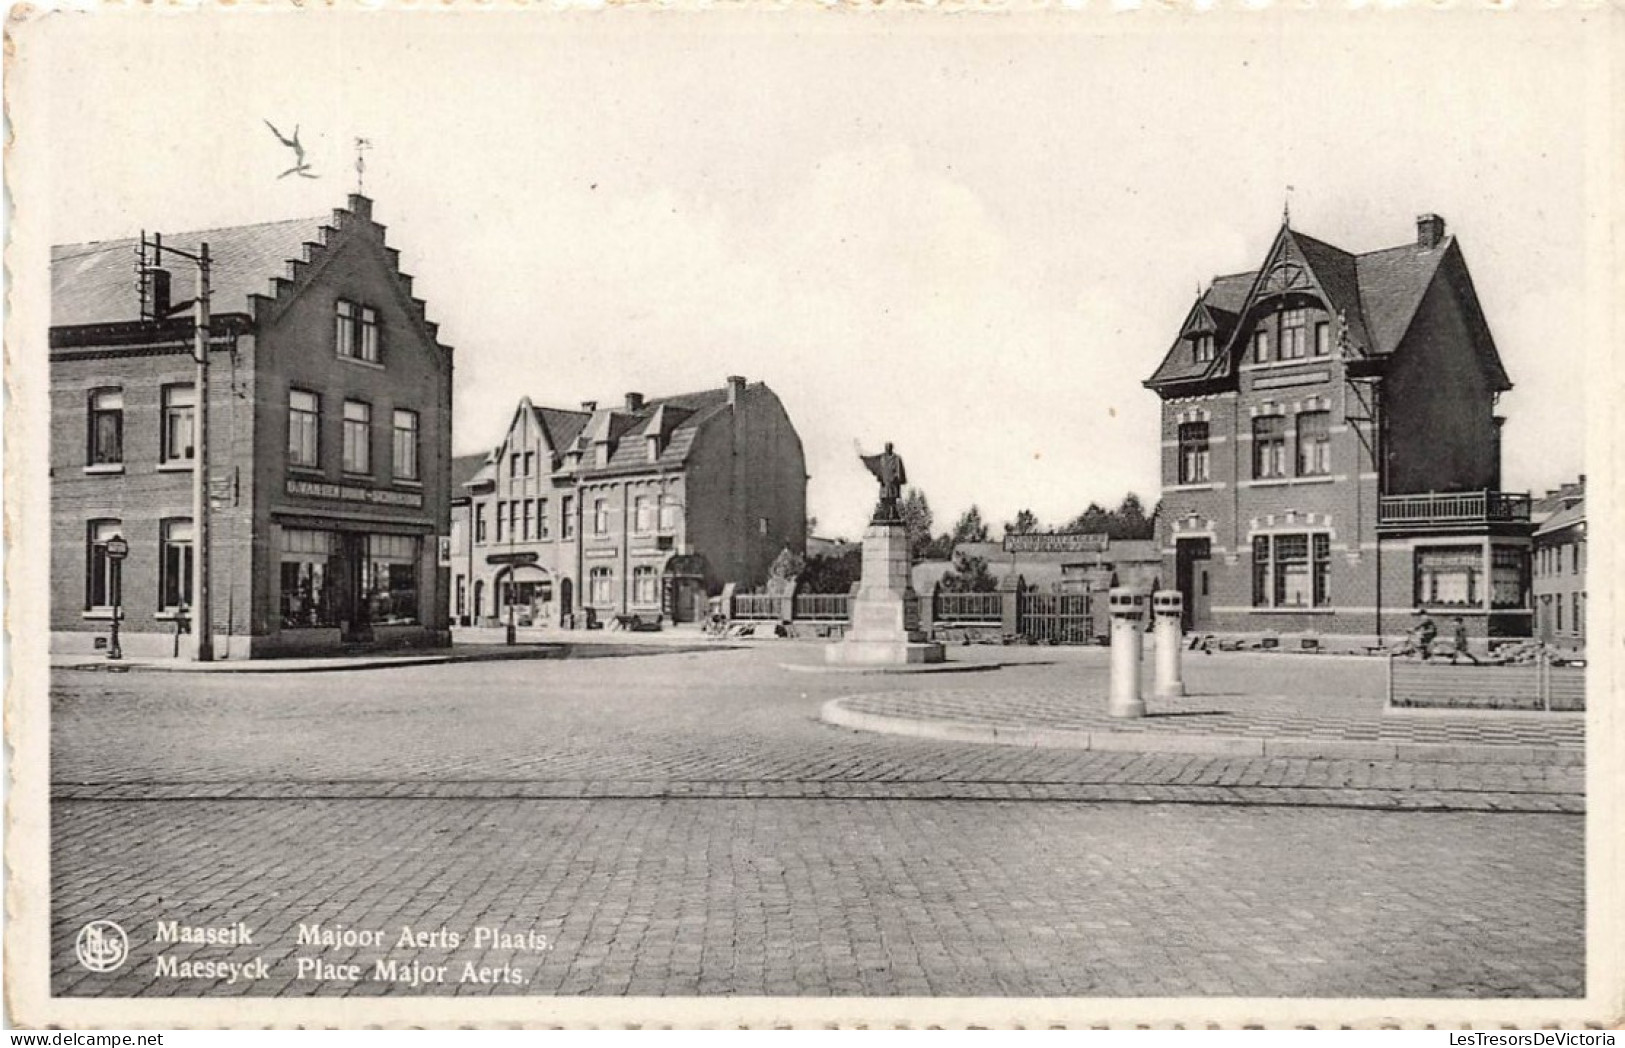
<point>117,549</point>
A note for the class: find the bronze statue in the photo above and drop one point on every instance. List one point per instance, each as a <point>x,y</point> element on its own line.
<point>888,470</point>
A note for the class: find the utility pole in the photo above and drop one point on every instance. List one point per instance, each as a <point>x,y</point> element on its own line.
<point>202,619</point>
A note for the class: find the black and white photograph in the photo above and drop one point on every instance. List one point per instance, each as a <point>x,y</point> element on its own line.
<point>812,515</point>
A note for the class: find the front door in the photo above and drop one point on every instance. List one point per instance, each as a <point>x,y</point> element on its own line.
<point>1193,580</point>
<point>354,611</point>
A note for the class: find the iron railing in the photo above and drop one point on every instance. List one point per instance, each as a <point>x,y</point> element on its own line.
<point>1453,507</point>
<point>963,608</point>
<point>755,606</point>
<point>823,607</point>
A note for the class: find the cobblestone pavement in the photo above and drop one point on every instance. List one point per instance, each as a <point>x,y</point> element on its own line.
<point>837,896</point>
<point>683,823</point>
<point>1248,716</point>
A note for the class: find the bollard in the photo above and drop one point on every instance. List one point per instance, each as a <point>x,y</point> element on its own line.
<point>1128,615</point>
<point>1169,608</point>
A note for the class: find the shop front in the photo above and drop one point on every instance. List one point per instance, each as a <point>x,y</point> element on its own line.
<point>344,583</point>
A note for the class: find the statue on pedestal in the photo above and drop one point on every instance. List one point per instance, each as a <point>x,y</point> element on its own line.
<point>888,470</point>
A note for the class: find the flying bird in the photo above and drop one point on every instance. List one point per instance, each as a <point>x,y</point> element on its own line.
<point>299,168</point>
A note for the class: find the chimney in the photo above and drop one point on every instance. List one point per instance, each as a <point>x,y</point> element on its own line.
<point>1429,231</point>
<point>634,402</point>
<point>736,386</point>
<point>589,406</point>
<point>360,206</point>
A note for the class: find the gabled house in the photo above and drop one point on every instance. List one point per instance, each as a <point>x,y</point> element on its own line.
<point>329,440</point>
<point>641,509</point>
<point>1331,452</point>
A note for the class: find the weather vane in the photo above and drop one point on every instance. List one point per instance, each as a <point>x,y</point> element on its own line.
<point>299,167</point>
<point>361,147</point>
<point>1286,208</point>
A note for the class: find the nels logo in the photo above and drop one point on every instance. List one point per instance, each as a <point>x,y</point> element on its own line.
<point>102,946</point>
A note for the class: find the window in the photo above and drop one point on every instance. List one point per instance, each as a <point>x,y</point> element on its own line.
<point>356,331</point>
<point>1558,604</point>
<point>179,404</point>
<point>1314,444</point>
<point>406,445</point>
<point>392,579</point>
<point>1294,334</point>
<point>357,437</point>
<point>643,514</point>
<point>530,463</point>
<point>529,518</point>
<point>306,568</point>
<point>1261,346</point>
<point>479,522</point>
<point>761,525</point>
<point>1508,586</point>
<point>106,443</point>
<point>304,428</point>
<point>1579,626</point>
<point>600,516</point>
<point>1193,453</point>
<point>100,591</point>
<point>541,518</point>
<point>1449,576</point>
<point>175,564</point>
<point>1204,349</point>
<point>1269,446</point>
<point>513,466</point>
<point>1578,548</point>
<point>1292,571</point>
<point>668,513</point>
<point>513,520</point>
<point>567,517</point>
<point>501,507</point>
<point>601,586</point>
<point>645,585</point>
<point>1323,339</point>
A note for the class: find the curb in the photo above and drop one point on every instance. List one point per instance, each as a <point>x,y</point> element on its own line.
<point>834,712</point>
<point>301,666</point>
<point>902,670</point>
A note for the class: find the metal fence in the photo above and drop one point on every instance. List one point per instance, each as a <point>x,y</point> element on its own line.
<point>822,607</point>
<point>985,609</point>
<point>1056,618</point>
<point>1437,684</point>
<point>755,606</point>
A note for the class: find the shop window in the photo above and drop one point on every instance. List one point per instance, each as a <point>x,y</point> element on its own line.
<point>304,428</point>
<point>645,585</point>
<point>1194,457</point>
<point>106,443</point>
<point>601,586</point>
<point>1292,571</point>
<point>392,579</point>
<point>179,404</point>
<point>357,436</point>
<point>643,514</point>
<point>1449,576</point>
<point>307,572</point>
<point>99,587</point>
<point>1294,334</point>
<point>1508,586</point>
<point>356,331</point>
<point>406,444</point>
<point>1269,446</point>
<point>1314,444</point>
<point>175,564</point>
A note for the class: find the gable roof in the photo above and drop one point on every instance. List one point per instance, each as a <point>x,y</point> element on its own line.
<point>95,282</point>
<point>1377,294</point>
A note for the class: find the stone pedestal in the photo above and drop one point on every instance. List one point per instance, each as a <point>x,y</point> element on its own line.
<point>884,628</point>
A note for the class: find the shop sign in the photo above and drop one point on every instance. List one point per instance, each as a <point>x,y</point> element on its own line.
<point>1057,542</point>
<point>602,554</point>
<point>444,543</point>
<point>316,489</point>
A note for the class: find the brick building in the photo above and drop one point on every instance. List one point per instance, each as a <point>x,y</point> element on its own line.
<point>1330,447</point>
<point>1560,566</point>
<point>642,509</point>
<point>329,442</point>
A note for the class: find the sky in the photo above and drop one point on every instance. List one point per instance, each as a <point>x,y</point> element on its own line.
<point>971,235</point>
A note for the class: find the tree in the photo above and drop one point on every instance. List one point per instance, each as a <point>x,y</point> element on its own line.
<point>969,575</point>
<point>1095,518</point>
<point>1129,520</point>
<point>1026,523</point>
<point>916,511</point>
<point>833,573</point>
<point>969,528</point>
<point>939,548</point>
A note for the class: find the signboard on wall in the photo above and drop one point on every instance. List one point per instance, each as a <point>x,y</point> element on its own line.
<point>1057,542</point>
<point>320,489</point>
<point>444,542</point>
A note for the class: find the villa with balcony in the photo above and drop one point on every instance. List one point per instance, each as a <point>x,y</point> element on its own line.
<point>1331,451</point>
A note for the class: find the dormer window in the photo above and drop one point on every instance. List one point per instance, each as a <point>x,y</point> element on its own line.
<point>1261,347</point>
<point>356,331</point>
<point>652,446</point>
<point>1203,348</point>
<point>1294,334</point>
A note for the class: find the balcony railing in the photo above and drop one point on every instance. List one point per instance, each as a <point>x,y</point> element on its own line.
<point>1452,508</point>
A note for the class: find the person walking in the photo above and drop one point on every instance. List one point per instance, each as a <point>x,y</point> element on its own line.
<point>1458,630</point>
